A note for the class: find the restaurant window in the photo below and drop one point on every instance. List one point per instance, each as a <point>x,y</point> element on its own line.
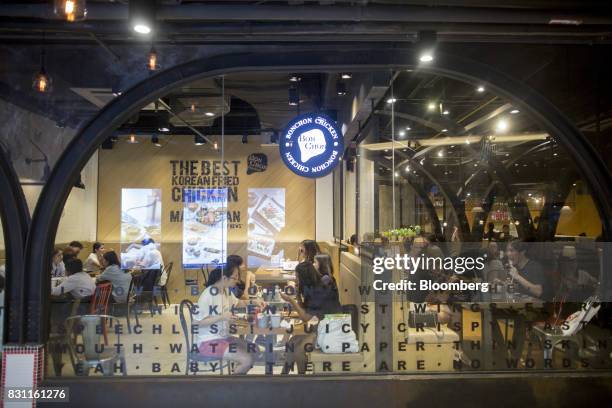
<point>441,170</point>
<point>3,262</point>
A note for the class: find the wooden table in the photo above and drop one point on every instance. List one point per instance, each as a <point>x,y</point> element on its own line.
<point>270,335</point>
<point>266,275</point>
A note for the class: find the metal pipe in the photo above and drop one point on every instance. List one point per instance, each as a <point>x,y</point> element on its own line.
<point>338,13</point>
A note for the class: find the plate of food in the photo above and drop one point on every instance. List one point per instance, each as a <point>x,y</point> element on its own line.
<point>261,245</point>
<point>270,213</point>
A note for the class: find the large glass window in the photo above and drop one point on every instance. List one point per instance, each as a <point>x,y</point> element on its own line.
<point>199,252</point>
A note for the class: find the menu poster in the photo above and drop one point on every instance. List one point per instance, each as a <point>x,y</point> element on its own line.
<point>265,222</point>
<point>204,227</point>
<point>141,210</point>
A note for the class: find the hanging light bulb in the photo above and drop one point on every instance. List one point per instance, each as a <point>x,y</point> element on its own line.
<point>216,145</point>
<point>132,139</point>
<point>152,60</point>
<point>193,107</point>
<point>41,82</point>
<point>70,10</point>
<point>199,140</point>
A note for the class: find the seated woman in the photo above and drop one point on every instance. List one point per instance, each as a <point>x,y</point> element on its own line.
<point>245,286</point>
<point>314,299</point>
<point>58,269</point>
<point>93,262</point>
<point>308,250</point>
<point>78,283</point>
<point>524,271</point>
<point>215,313</point>
<point>120,279</point>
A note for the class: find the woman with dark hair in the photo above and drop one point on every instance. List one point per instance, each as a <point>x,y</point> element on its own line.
<point>93,262</point>
<point>308,250</point>
<point>215,313</point>
<point>314,299</point>
<point>58,268</point>
<point>246,278</point>
<point>78,283</point>
<point>526,272</point>
<point>120,279</point>
<point>323,264</point>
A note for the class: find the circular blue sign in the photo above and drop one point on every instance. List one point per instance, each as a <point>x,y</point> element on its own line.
<point>311,145</point>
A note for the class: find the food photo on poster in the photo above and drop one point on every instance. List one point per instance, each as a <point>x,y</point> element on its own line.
<point>141,210</point>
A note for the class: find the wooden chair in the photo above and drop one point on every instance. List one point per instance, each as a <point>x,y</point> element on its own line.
<point>189,338</point>
<point>99,302</point>
<point>205,274</point>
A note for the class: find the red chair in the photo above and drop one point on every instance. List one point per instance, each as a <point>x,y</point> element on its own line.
<point>99,303</point>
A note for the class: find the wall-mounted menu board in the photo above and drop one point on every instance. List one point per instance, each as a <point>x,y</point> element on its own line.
<point>266,220</point>
<point>141,210</point>
<point>204,227</point>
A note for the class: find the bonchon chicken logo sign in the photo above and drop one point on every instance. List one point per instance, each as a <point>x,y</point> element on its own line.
<point>311,145</point>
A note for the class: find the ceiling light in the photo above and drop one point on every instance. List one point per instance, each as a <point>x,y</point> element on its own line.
<point>294,78</point>
<point>514,111</point>
<point>408,168</point>
<point>70,10</point>
<point>426,56</point>
<point>346,75</point>
<point>340,88</point>
<point>163,129</point>
<point>396,174</point>
<point>480,89</point>
<point>209,114</point>
<point>440,153</point>
<point>444,130</point>
<point>142,15</point>
<point>199,140</point>
<point>155,141</point>
<point>446,112</point>
<point>402,133</point>
<point>41,82</point>
<point>215,145</point>
<point>501,126</point>
<point>426,45</point>
<point>391,100</point>
<point>431,106</point>
<point>152,60</point>
<point>408,128</point>
<point>468,194</point>
<point>132,139</point>
<point>555,154</point>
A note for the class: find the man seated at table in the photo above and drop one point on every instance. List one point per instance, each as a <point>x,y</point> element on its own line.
<point>78,284</point>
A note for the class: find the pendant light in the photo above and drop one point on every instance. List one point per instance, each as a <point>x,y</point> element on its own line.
<point>42,82</point>
<point>70,10</point>
<point>152,64</point>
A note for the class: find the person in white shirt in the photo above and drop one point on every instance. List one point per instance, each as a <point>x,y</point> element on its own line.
<point>58,269</point>
<point>215,314</point>
<point>93,262</point>
<point>78,283</point>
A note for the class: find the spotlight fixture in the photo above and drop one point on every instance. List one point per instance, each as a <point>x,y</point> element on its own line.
<point>294,97</point>
<point>444,130</point>
<point>340,88</point>
<point>426,45</point>
<point>216,145</point>
<point>402,133</point>
<point>209,114</point>
<point>132,139</point>
<point>245,138</point>
<point>152,60</point>
<point>501,126</point>
<point>408,128</point>
<point>198,140</point>
<point>440,153</point>
<point>41,82</point>
<point>142,16</point>
<point>446,112</point>
<point>70,10</point>
<point>408,169</point>
<point>346,75</point>
<point>294,78</point>
<point>391,100</point>
<point>431,106</point>
<point>514,111</point>
<point>480,89</point>
<point>155,141</point>
<point>163,129</point>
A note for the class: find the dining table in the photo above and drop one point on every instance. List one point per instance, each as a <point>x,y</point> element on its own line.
<point>268,275</point>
